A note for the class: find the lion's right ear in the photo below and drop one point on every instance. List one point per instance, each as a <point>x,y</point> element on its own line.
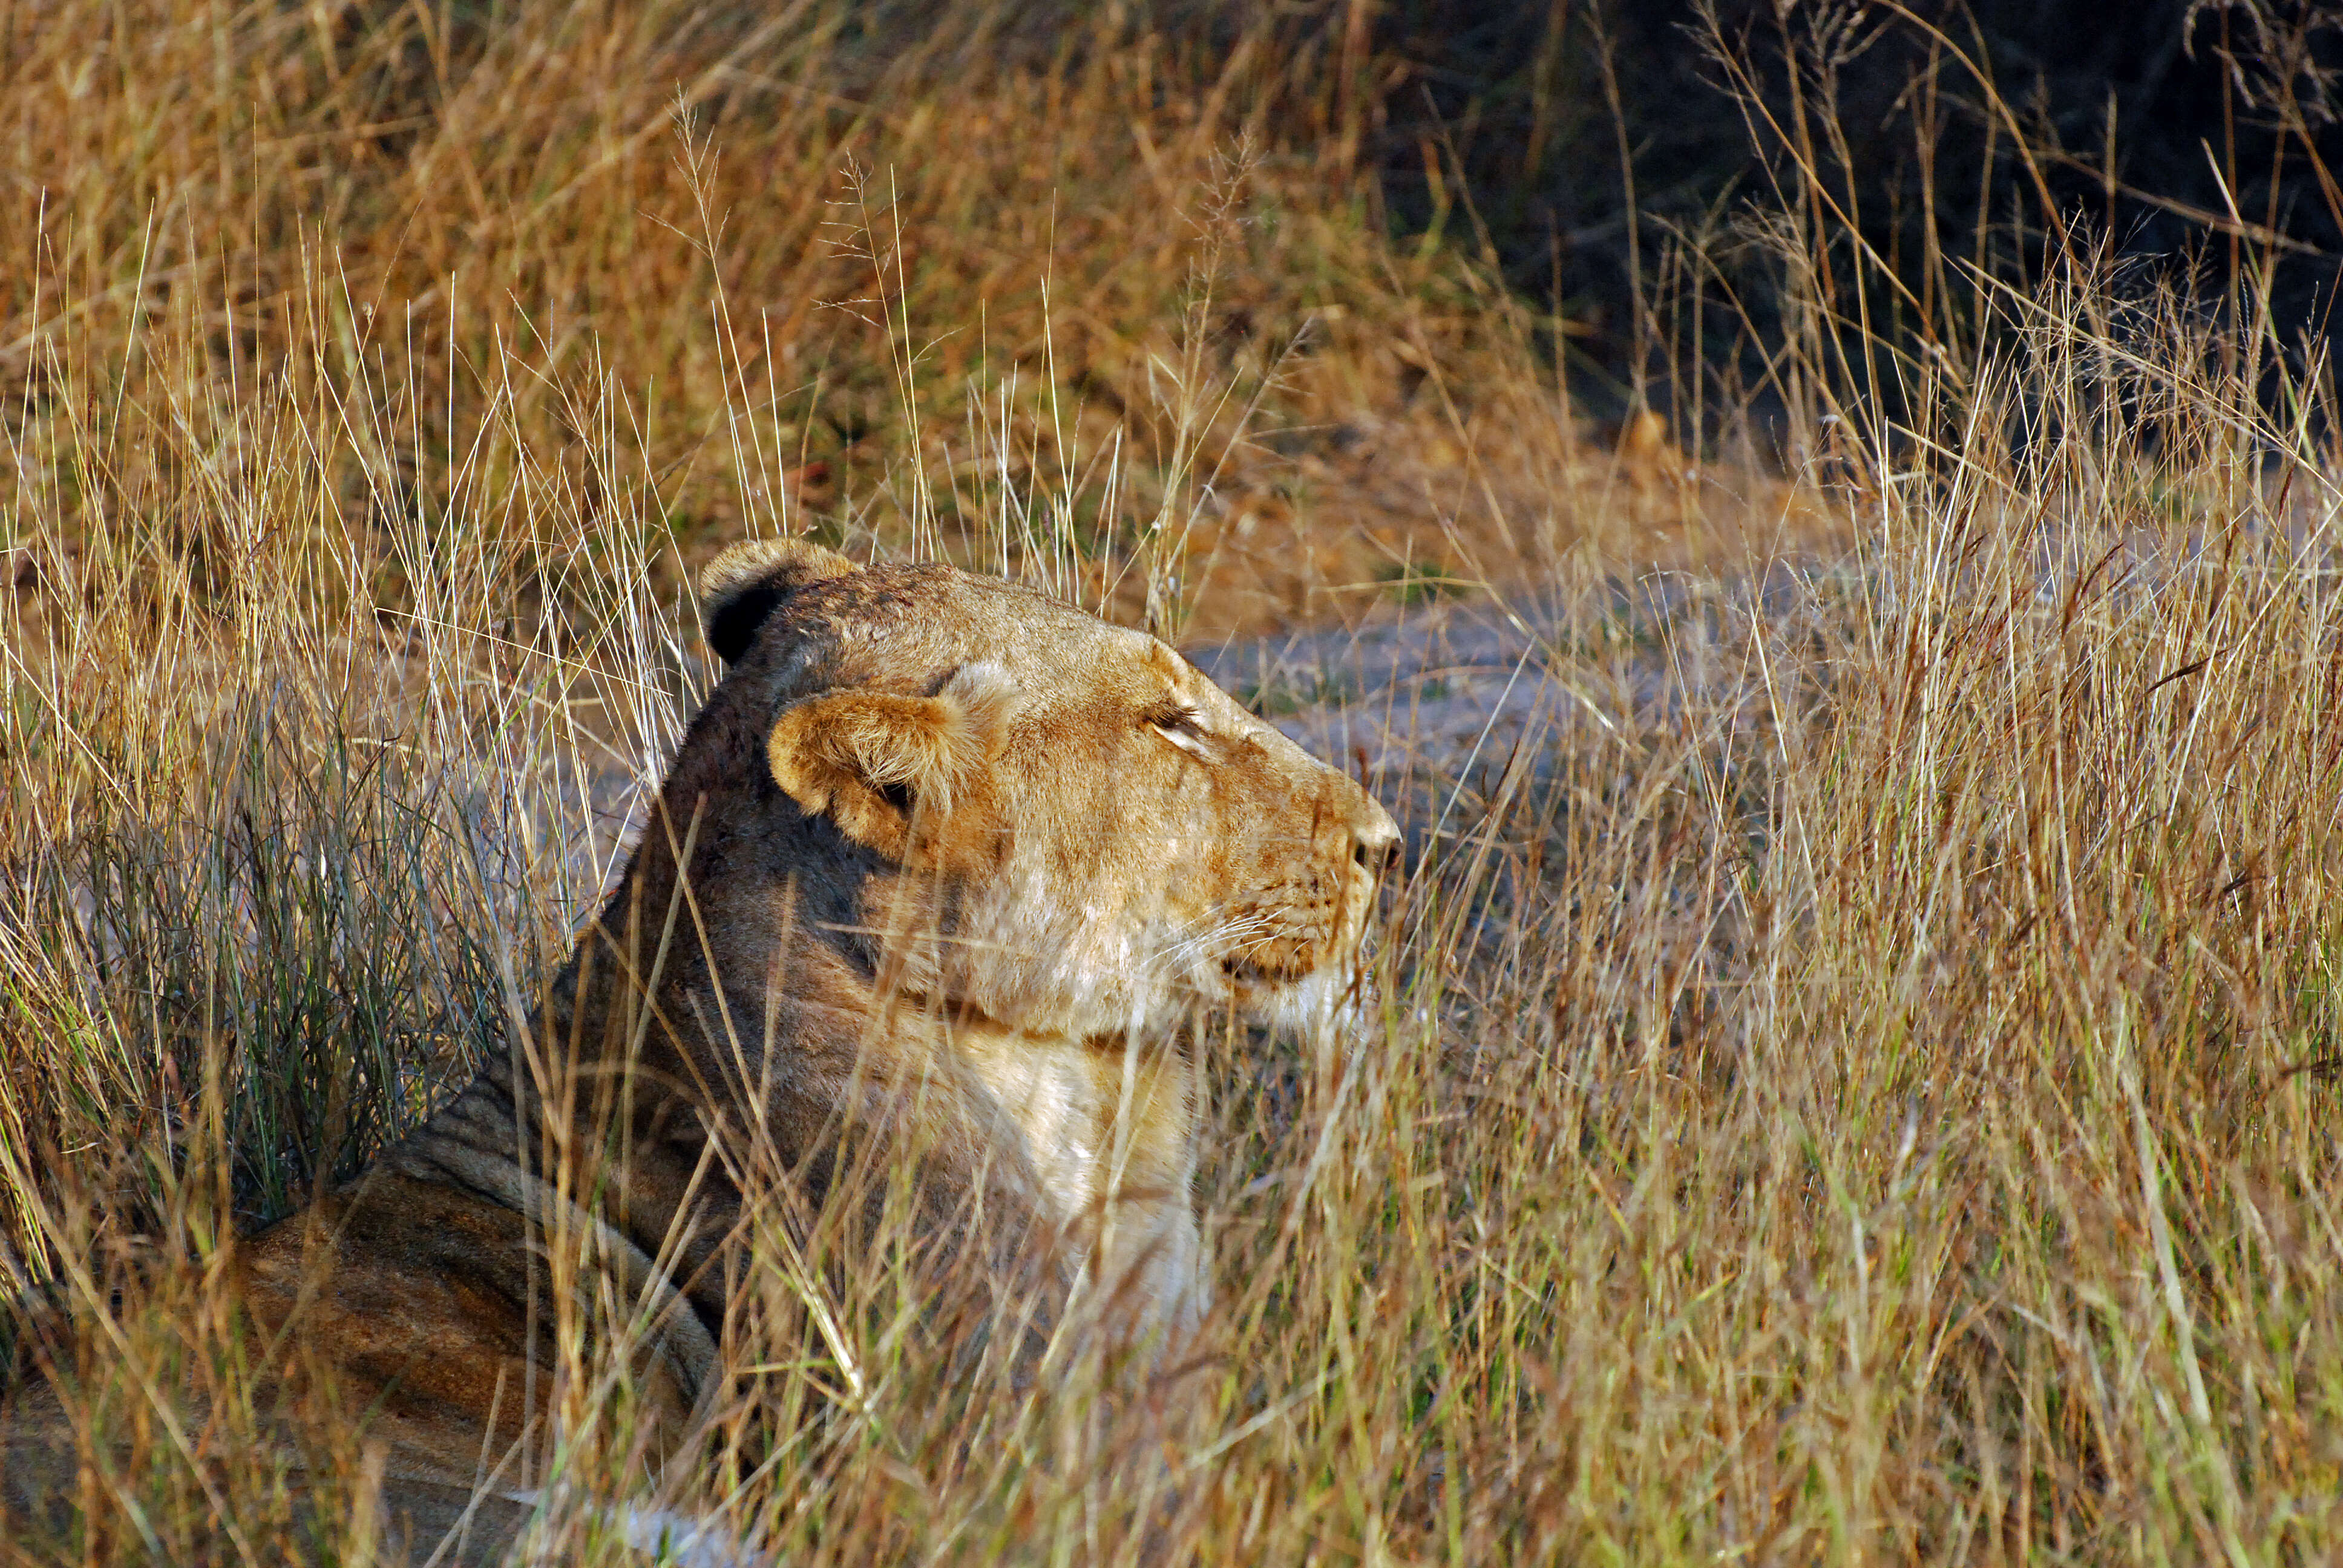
<point>740,588</point>
<point>872,760</point>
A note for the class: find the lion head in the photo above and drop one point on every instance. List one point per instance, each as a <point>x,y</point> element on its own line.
<point>1068,829</point>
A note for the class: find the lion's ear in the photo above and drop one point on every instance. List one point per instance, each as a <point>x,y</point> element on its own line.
<point>872,761</point>
<point>740,588</point>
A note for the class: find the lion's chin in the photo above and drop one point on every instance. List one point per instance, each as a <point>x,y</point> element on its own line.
<point>1338,999</point>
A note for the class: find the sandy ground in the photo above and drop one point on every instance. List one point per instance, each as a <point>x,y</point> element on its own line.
<point>1432,708</point>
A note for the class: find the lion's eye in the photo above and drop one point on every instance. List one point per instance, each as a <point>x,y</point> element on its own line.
<point>1182,726</point>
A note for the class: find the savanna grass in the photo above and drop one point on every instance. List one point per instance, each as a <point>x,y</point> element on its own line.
<point>1855,1083</point>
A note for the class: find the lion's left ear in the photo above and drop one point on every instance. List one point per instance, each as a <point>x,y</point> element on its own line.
<point>875,762</point>
<point>742,587</point>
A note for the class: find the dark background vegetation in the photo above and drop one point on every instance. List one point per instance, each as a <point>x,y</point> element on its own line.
<point>2200,133</point>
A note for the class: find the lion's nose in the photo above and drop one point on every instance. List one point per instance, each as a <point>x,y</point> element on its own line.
<point>1374,839</point>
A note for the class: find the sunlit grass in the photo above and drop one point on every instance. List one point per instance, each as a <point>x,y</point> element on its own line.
<point>1854,1080</point>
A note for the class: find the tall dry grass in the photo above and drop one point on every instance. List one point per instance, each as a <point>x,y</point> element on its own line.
<point>1855,1084</point>
<point>894,265</point>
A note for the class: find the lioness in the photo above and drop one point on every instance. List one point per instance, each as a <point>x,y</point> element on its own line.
<point>938,849</point>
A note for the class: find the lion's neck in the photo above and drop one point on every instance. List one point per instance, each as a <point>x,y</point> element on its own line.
<point>1110,1134</point>
<point>746,1000</point>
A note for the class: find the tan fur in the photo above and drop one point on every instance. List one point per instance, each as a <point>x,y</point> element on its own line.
<point>939,873</point>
